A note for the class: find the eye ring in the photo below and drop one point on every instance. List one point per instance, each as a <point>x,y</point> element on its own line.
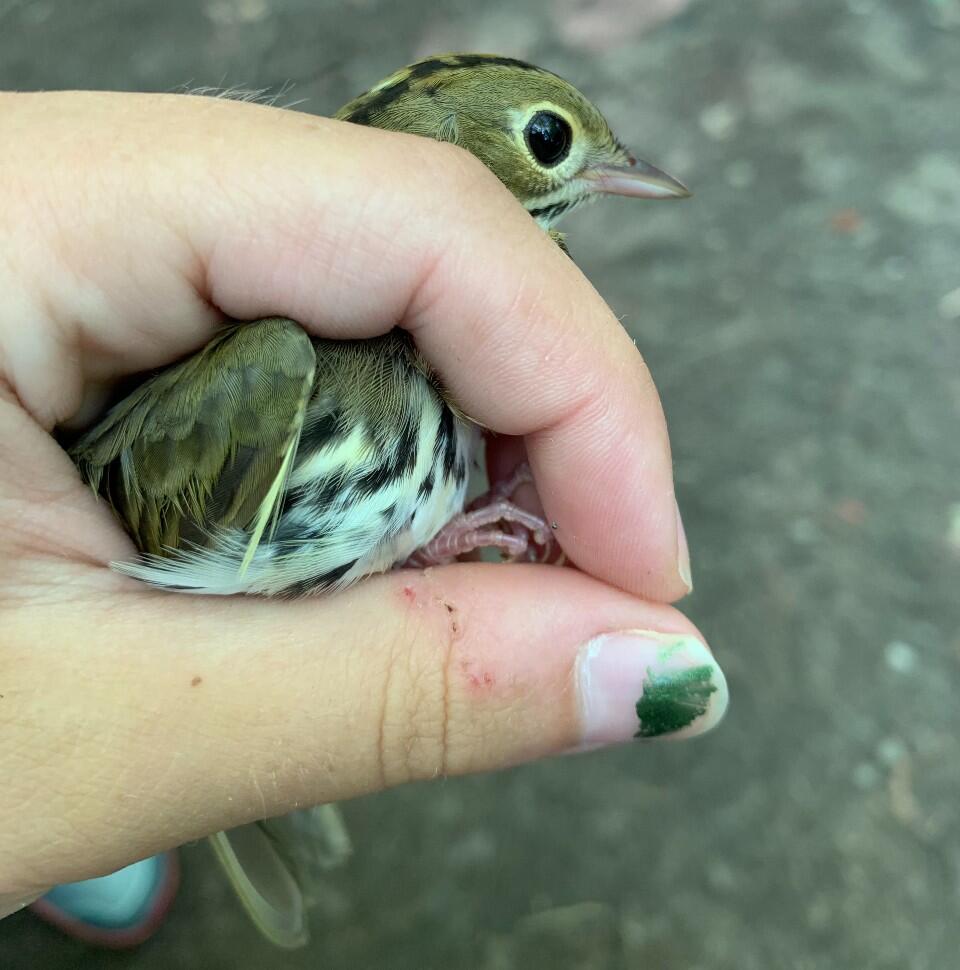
<point>548,137</point>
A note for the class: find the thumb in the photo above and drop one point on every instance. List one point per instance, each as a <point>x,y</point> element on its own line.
<point>151,719</point>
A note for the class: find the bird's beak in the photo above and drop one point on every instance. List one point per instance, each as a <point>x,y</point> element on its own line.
<point>637,178</point>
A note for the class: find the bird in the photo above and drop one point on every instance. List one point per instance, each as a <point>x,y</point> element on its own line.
<point>272,462</point>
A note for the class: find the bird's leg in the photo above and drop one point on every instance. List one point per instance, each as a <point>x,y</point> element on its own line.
<point>492,521</point>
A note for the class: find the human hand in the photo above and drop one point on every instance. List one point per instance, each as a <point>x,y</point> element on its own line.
<point>135,720</point>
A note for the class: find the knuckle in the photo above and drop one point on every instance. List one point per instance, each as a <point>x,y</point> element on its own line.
<point>414,710</point>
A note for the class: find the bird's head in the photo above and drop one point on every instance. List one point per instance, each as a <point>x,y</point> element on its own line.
<point>549,145</point>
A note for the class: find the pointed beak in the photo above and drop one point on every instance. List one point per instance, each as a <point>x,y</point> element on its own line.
<point>637,178</point>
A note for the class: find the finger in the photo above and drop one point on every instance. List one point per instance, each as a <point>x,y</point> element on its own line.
<point>195,714</point>
<point>194,206</point>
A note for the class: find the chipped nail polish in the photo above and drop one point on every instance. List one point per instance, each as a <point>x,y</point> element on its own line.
<point>644,684</point>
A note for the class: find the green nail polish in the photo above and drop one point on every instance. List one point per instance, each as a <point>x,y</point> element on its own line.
<point>673,700</point>
<point>647,684</point>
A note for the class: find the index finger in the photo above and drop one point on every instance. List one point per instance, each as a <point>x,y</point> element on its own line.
<point>201,207</point>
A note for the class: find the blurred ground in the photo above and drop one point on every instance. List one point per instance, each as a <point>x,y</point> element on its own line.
<point>802,318</point>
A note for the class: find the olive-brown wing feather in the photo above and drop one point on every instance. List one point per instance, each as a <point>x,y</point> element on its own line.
<point>200,447</point>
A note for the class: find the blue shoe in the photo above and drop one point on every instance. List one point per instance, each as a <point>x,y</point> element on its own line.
<point>119,910</point>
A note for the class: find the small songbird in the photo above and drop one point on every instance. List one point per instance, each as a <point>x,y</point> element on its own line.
<point>273,462</point>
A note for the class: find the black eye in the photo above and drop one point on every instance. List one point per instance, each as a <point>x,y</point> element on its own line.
<point>549,138</point>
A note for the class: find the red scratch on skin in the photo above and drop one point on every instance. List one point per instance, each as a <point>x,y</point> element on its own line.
<point>479,680</point>
<point>455,630</point>
<point>409,594</point>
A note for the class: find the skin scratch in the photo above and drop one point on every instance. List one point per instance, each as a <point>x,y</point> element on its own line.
<point>259,791</point>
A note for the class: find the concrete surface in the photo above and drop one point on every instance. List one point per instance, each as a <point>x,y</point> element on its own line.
<point>802,318</point>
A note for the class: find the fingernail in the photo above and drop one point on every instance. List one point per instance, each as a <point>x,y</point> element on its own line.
<point>683,553</point>
<point>642,684</point>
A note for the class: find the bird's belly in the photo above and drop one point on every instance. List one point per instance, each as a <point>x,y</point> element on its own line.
<point>343,525</point>
<point>354,504</point>
<point>420,522</point>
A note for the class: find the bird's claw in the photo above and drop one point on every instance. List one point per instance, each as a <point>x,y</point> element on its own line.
<point>493,521</point>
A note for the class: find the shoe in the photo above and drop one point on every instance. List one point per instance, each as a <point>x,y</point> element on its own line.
<point>117,911</point>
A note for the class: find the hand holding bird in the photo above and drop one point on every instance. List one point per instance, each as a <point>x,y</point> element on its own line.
<point>135,226</point>
<point>269,463</point>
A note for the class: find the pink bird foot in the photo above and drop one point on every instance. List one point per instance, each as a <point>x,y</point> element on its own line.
<point>492,521</point>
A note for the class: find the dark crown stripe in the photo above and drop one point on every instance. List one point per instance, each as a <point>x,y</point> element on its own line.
<point>457,62</point>
<point>377,101</point>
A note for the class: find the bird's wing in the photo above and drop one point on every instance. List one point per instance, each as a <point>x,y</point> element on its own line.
<point>205,446</point>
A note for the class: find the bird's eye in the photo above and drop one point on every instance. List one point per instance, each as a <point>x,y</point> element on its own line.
<point>548,137</point>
